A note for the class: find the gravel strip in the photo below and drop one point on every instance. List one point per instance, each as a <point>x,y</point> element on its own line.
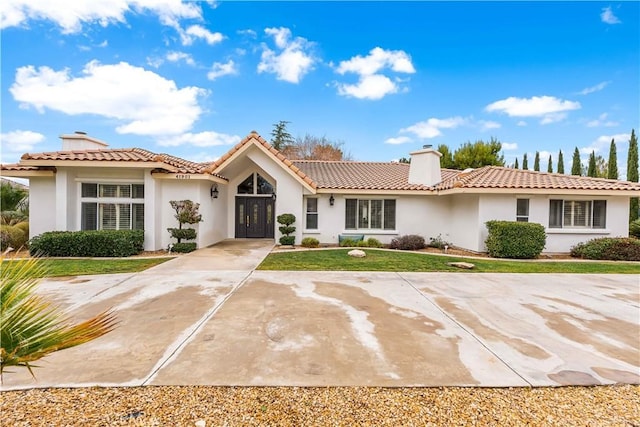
<point>617,405</point>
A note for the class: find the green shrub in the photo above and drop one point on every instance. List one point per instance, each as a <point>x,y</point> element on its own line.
<point>24,226</point>
<point>97,243</point>
<point>372,242</point>
<point>409,242</point>
<point>287,240</point>
<point>609,248</point>
<point>13,217</point>
<point>362,244</point>
<point>286,219</point>
<point>310,242</point>
<point>183,248</point>
<point>348,243</point>
<point>286,229</point>
<point>182,233</point>
<point>12,236</point>
<point>634,228</point>
<point>511,239</point>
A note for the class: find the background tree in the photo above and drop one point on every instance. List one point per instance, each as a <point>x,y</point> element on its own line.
<point>280,137</point>
<point>612,170</point>
<point>12,196</point>
<point>592,171</point>
<point>560,162</point>
<point>536,162</point>
<point>576,166</point>
<point>404,160</point>
<point>478,154</point>
<point>446,161</point>
<point>602,166</point>
<point>515,166</point>
<point>312,147</point>
<point>550,164</point>
<point>632,173</point>
<point>525,162</point>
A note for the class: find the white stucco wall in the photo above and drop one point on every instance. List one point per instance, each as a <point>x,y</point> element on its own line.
<point>42,205</point>
<point>463,221</point>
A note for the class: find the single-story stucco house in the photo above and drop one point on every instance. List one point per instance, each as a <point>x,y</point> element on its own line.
<point>88,186</point>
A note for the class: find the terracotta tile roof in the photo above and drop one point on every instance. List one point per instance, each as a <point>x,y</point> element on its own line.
<point>349,175</point>
<point>505,178</point>
<point>118,155</point>
<point>18,167</point>
<point>277,154</point>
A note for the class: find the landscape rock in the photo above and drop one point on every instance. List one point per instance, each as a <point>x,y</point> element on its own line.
<point>357,253</point>
<point>463,265</point>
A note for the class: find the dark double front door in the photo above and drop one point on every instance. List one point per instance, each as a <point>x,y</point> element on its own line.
<point>254,217</point>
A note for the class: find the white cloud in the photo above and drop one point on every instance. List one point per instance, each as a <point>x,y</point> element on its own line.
<point>509,146</point>
<point>248,32</point>
<point>144,102</point>
<point>294,59</point>
<point>371,83</point>
<point>20,141</point>
<point>608,17</point>
<point>219,69</point>
<point>398,140</point>
<point>71,15</point>
<point>601,144</point>
<point>431,128</point>
<point>521,123</point>
<point>201,139</point>
<point>488,124</point>
<point>194,32</point>
<point>601,121</point>
<point>180,56</point>
<point>595,88</point>
<point>550,108</point>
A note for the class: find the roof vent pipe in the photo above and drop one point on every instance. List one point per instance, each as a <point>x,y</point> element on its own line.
<point>427,146</point>
<point>80,132</point>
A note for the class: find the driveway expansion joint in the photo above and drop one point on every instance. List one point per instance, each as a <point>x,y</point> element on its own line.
<point>461,326</point>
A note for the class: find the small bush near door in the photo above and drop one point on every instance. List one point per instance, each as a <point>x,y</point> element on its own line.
<point>183,247</point>
<point>616,249</point>
<point>310,242</point>
<point>287,228</point>
<point>511,239</point>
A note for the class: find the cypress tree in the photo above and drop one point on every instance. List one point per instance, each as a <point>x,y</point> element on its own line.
<point>560,163</point>
<point>525,164</point>
<point>632,173</point>
<point>612,171</point>
<point>592,171</point>
<point>550,165</point>
<point>516,165</point>
<point>536,162</point>
<point>576,167</point>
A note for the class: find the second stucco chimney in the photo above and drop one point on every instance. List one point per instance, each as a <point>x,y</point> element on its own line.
<point>81,141</point>
<point>425,166</point>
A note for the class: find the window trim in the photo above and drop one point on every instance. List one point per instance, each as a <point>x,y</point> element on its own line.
<point>97,201</point>
<point>307,213</point>
<point>523,218</point>
<point>358,220</point>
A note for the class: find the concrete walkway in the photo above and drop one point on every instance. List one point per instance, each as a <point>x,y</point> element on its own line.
<point>208,318</point>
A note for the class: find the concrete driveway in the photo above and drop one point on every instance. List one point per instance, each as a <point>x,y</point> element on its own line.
<point>208,318</point>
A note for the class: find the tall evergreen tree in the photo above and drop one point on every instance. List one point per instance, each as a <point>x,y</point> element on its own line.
<point>446,161</point>
<point>592,171</point>
<point>536,162</point>
<point>560,162</point>
<point>612,170</point>
<point>525,163</point>
<point>280,137</point>
<point>576,166</point>
<point>516,165</point>
<point>550,165</point>
<point>632,173</point>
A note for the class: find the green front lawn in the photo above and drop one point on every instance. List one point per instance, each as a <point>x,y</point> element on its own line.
<point>79,267</point>
<point>380,260</point>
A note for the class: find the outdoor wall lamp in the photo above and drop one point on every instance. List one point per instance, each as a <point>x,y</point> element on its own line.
<point>331,200</point>
<point>214,191</point>
<point>273,195</point>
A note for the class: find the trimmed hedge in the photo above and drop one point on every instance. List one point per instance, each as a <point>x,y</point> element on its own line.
<point>409,242</point>
<point>184,248</point>
<point>310,242</point>
<point>287,240</point>
<point>182,233</point>
<point>97,243</point>
<point>609,248</point>
<point>511,239</point>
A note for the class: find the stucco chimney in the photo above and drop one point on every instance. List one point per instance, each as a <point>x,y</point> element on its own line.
<point>425,166</point>
<point>81,141</point>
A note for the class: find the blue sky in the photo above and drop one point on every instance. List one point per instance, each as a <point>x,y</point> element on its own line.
<point>384,78</point>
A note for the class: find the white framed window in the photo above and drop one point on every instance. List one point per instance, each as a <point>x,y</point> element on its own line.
<point>373,214</point>
<point>112,206</point>
<point>311,213</point>
<point>577,213</point>
<point>522,210</point>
